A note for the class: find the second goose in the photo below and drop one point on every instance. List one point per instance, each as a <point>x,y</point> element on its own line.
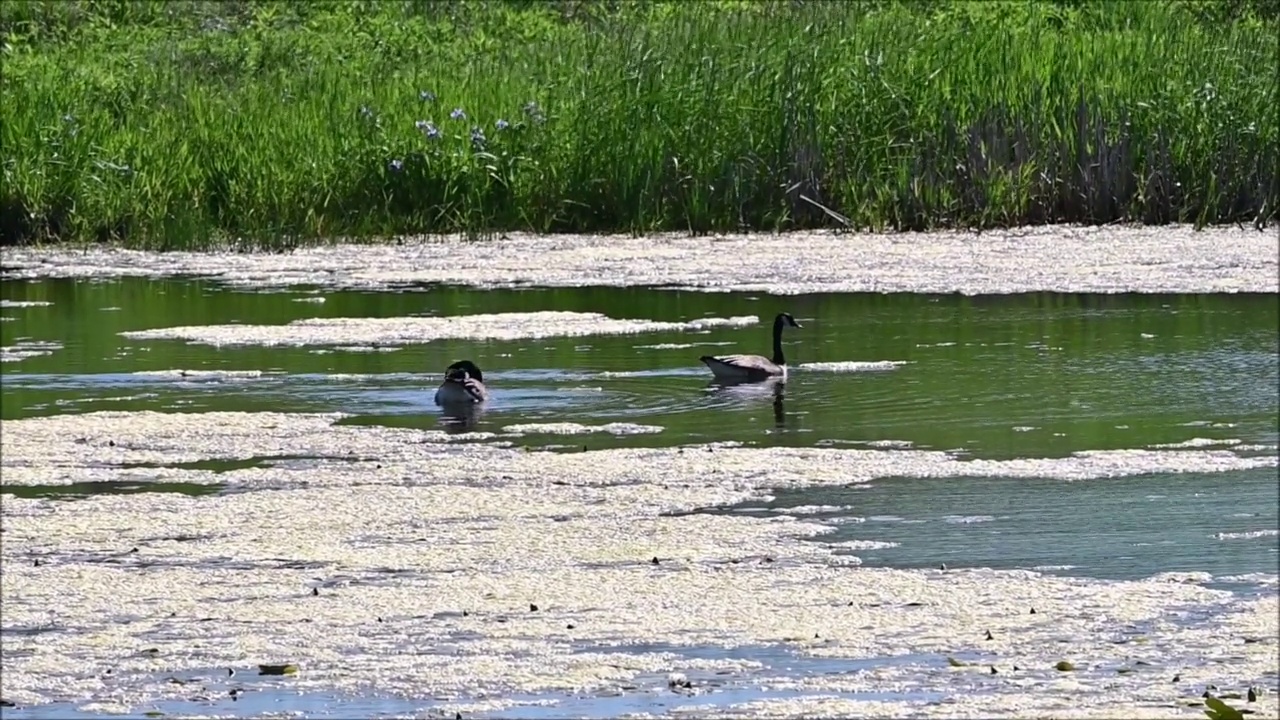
<point>463,384</point>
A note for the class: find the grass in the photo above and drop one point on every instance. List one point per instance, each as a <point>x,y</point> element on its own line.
<point>188,124</point>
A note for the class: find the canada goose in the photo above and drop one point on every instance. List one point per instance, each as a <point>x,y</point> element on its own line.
<point>754,367</point>
<point>463,383</point>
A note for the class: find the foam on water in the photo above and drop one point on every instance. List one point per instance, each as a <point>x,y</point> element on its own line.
<point>851,366</point>
<point>1249,535</point>
<point>863,544</point>
<point>681,346</point>
<point>401,560</point>
<point>201,374</point>
<point>23,303</point>
<point>1166,259</point>
<point>366,334</point>
<point>27,349</point>
<point>569,428</point>
<point>808,509</point>
<point>1196,443</point>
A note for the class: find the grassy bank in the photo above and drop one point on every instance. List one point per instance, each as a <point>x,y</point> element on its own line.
<point>177,124</point>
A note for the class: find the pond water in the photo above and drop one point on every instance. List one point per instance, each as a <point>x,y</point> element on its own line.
<point>986,377</point>
<point>1001,376</point>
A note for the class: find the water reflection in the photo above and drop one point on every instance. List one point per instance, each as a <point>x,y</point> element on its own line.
<point>747,392</point>
<point>456,418</point>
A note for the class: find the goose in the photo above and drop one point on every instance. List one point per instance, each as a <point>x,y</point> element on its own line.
<point>463,383</point>
<point>753,367</point>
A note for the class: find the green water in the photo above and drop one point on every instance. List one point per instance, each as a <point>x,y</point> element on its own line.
<point>999,377</point>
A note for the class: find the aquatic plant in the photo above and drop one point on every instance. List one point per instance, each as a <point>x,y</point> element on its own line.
<point>183,124</point>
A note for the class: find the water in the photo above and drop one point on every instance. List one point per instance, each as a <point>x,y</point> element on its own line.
<point>999,377</point>
<point>1038,375</point>
<point>246,693</point>
<point>1123,528</point>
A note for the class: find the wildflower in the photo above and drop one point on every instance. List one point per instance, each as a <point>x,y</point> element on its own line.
<point>477,137</point>
<point>534,112</point>
<point>365,112</point>
<point>502,124</point>
<point>68,118</point>
<point>427,96</point>
<point>395,165</point>
<point>457,114</point>
<point>428,128</point>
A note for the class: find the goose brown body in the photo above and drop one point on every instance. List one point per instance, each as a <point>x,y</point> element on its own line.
<point>754,367</point>
<point>463,384</point>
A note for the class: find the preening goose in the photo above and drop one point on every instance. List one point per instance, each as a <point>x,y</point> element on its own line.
<point>753,367</point>
<point>463,384</point>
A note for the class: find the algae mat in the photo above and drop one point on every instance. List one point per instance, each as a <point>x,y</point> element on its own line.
<point>1046,259</point>
<point>394,558</point>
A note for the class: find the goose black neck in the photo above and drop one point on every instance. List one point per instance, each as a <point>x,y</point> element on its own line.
<point>778,359</point>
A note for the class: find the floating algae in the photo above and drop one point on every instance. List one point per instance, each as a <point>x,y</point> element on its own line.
<point>426,569</point>
<point>1052,258</point>
<point>367,334</point>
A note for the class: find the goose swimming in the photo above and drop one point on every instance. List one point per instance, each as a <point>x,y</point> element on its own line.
<point>463,383</point>
<point>753,367</point>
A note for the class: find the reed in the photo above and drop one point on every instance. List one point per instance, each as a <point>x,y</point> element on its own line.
<point>190,124</point>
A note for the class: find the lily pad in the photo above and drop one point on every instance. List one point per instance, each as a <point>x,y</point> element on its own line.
<point>1064,666</point>
<point>287,669</point>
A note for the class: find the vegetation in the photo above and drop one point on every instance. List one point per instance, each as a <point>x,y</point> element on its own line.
<point>183,124</point>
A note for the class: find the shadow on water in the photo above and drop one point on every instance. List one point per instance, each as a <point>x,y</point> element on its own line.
<point>224,466</point>
<point>80,491</point>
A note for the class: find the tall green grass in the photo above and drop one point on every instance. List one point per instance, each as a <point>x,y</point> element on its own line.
<point>183,124</point>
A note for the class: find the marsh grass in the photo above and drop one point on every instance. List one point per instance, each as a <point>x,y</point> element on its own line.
<point>187,124</point>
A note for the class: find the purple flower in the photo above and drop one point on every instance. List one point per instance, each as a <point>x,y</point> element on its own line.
<point>477,137</point>
<point>457,114</point>
<point>395,166</point>
<point>365,111</point>
<point>534,112</point>
<point>427,96</point>
<point>502,124</point>
<point>428,128</point>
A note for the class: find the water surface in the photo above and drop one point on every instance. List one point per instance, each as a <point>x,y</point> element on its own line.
<point>1001,376</point>
<point>1034,375</point>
